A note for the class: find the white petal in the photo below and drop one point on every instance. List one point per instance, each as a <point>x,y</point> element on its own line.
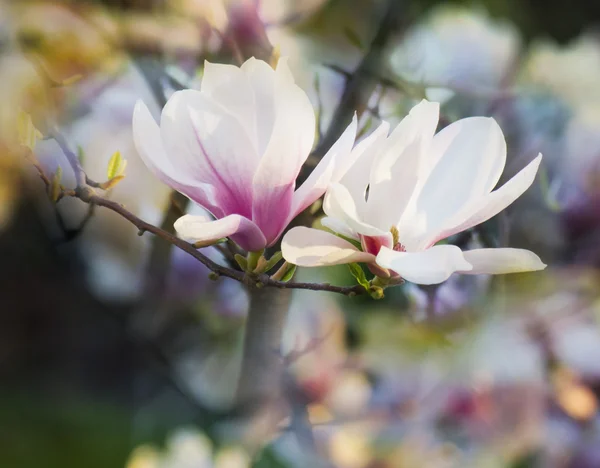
<point>262,80</point>
<point>230,87</point>
<point>492,204</point>
<point>431,266</point>
<point>501,261</point>
<point>311,247</point>
<point>201,229</point>
<point>419,125</point>
<point>338,226</point>
<point>356,176</point>
<point>340,204</point>
<point>149,145</point>
<point>471,153</point>
<point>333,163</point>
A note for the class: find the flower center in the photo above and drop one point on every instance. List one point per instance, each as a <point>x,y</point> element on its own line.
<point>373,244</point>
<point>396,245</point>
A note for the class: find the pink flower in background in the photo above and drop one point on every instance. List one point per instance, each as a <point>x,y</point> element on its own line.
<point>407,191</point>
<point>236,147</point>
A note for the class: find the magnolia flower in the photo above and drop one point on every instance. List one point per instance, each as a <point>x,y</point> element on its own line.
<point>457,47</point>
<point>236,147</point>
<point>407,191</point>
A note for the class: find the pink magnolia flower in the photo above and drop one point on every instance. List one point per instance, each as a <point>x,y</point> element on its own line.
<point>236,147</point>
<point>407,191</point>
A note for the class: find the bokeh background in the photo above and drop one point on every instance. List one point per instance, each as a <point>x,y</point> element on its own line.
<point>118,351</point>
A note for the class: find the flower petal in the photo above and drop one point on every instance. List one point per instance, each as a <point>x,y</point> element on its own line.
<point>356,176</point>
<point>231,88</point>
<point>290,144</point>
<point>340,204</point>
<point>471,154</point>
<point>330,168</point>
<point>431,266</point>
<point>241,230</point>
<point>492,204</point>
<point>501,261</point>
<point>339,227</point>
<point>312,247</point>
<point>149,145</point>
<point>212,146</point>
<point>262,80</point>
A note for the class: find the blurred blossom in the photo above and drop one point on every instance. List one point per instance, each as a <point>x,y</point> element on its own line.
<point>64,43</point>
<point>460,48</point>
<point>188,448</point>
<point>239,159</point>
<point>22,90</point>
<point>569,71</point>
<point>439,196</point>
<point>114,252</point>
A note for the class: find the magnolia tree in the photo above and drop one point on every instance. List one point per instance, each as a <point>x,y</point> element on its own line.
<point>241,145</point>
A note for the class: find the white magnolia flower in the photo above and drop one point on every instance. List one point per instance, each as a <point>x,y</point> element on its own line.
<point>236,147</point>
<point>457,47</point>
<point>407,191</point>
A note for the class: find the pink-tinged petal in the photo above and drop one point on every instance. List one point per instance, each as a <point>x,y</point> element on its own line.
<point>212,146</point>
<point>502,261</point>
<point>311,248</point>
<point>373,244</point>
<point>241,230</point>
<point>340,204</point>
<point>288,148</point>
<point>492,204</point>
<point>339,227</point>
<point>329,169</point>
<point>472,155</point>
<point>149,145</point>
<point>271,208</point>
<point>431,266</point>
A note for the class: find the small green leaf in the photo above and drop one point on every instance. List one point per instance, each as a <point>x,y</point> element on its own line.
<point>289,274</point>
<point>80,154</point>
<point>274,260</point>
<point>115,166</point>
<point>55,187</point>
<point>359,275</point>
<point>241,261</point>
<point>109,184</point>
<point>252,259</point>
<point>27,134</point>
<point>353,38</point>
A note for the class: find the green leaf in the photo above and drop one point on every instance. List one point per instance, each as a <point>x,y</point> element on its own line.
<point>359,275</point>
<point>27,134</point>
<point>116,166</point>
<point>241,261</point>
<point>289,274</point>
<point>80,154</point>
<point>274,260</point>
<point>55,188</point>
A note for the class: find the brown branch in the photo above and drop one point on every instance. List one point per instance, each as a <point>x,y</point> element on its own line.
<point>88,195</point>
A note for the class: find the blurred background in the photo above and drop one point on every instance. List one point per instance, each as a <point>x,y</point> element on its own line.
<point>118,351</point>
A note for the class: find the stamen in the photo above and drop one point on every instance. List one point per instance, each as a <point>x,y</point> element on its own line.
<point>395,235</point>
<point>397,246</point>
